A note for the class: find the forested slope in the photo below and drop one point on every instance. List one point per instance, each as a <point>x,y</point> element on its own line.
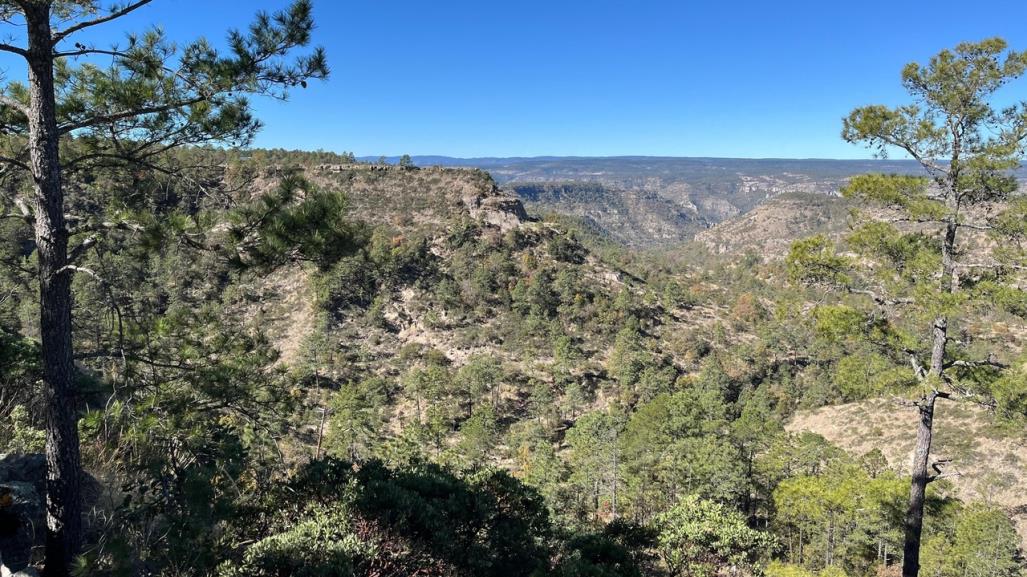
<point>426,336</point>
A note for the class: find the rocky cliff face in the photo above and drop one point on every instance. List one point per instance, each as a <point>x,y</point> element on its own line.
<point>661,202</point>
<point>504,212</point>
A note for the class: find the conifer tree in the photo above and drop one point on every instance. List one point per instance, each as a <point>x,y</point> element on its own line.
<point>122,106</point>
<point>912,261</point>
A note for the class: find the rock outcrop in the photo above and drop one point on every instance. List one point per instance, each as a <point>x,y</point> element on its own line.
<point>22,521</point>
<point>505,212</point>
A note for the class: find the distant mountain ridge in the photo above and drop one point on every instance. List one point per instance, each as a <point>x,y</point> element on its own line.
<point>660,202</point>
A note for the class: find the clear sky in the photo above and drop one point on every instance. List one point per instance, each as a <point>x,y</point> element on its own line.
<point>600,77</point>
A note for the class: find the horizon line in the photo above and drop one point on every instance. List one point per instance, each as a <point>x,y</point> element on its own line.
<point>625,156</point>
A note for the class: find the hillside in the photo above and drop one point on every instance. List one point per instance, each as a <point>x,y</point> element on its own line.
<point>770,228</point>
<point>478,253</point>
<point>222,360</point>
<point>628,217</point>
<point>988,461</point>
<point>658,202</point>
<point>416,328</point>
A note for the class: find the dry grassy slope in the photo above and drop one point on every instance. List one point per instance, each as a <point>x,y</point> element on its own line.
<point>770,228</point>
<point>991,462</point>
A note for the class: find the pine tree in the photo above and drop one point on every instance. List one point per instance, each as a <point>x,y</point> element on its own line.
<point>920,281</point>
<point>74,116</point>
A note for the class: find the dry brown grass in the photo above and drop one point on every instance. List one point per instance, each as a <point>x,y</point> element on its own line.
<point>991,461</point>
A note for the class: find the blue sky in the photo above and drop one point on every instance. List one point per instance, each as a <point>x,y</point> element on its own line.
<point>600,77</point>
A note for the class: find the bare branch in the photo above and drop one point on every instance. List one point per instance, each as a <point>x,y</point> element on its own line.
<point>918,368</point>
<point>912,220</point>
<point>13,50</point>
<point>989,362</point>
<point>106,225</point>
<point>974,226</point>
<point>993,265</point>
<point>72,268</point>
<point>12,103</point>
<point>81,249</point>
<point>88,51</point>
<point>939,474</point>
<point>24,208</point>
<point>61,35</point>
<point>14,162</point>
<point>880,299</point>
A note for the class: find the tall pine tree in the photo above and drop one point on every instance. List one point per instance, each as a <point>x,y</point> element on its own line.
<point>913,261</point>
<point>149,96</point>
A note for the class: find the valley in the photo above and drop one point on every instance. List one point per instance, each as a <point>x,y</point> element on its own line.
<point>231,352</point>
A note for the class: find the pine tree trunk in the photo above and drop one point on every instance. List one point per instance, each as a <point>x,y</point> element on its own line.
<point>63,477</point>
<point>915,513</point>
<point>914,523</point>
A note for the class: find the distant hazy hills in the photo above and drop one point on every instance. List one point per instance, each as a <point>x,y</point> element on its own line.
<point>661,201</point>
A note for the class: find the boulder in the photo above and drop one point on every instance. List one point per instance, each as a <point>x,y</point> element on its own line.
<point>21,523</point>
<point>22,517</point>
<point>29,469</point>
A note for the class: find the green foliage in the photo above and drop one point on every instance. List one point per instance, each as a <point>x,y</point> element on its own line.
<point>675,445</point>
<point>17,434</point>
<point>814,261</point>
<point>698,538</point>
<point>866,375</point>
<point>479,434</point>
<point>335,517</point>
<point>981,542</point>
<point>620,550</point>
<point>276,227</point>
<point>480,378</point>
<point>322,545</point>
<point>842,515</point>
<point>357,418</point>
<point>383,265</point>
<point>779,569</point>
<point>907,193</point>
<point>566,249</point>
<point>22,390</point>
<point>594,455</point>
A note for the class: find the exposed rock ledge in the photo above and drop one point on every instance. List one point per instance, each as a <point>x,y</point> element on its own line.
<point>497,209</point>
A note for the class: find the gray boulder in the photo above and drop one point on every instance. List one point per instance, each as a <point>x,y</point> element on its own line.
<point>29,469</point>
<point>22,517</point>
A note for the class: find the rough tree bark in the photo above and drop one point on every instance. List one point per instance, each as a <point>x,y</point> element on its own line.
<point>163,105</point>
<point>63,479</point>
<point>914,522</point>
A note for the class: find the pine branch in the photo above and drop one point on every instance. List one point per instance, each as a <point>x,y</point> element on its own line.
<point>61,35</point>
<point>13,50</point>
<point>12,103</point>
<point>125,114</point>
